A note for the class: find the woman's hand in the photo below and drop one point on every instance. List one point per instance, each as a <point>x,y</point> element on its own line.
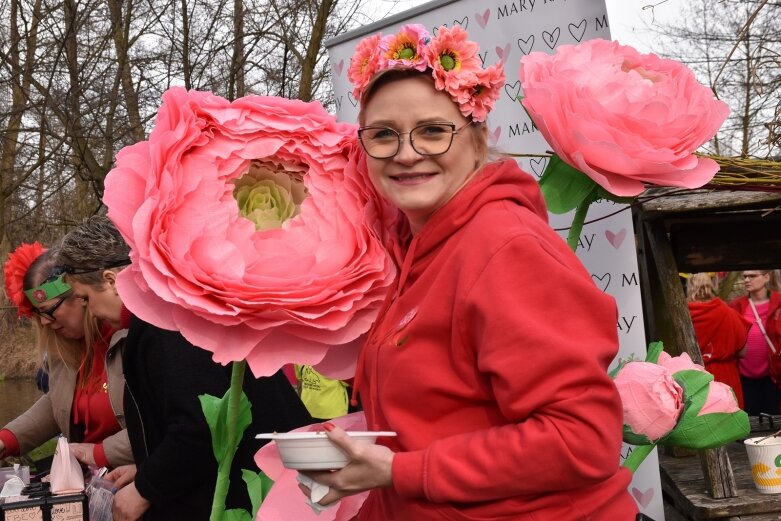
<point>129,505</point>
<point>121,476</point>
<point>84,452</point>
<point>369,467</point>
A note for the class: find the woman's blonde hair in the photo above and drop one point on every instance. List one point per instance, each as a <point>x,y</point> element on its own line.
<point>700,288</point>
<point>72,352</point>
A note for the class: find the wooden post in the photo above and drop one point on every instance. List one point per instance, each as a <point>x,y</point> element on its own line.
<point>675,329</point>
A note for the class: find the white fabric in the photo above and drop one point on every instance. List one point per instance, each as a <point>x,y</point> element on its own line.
<point>318,492</point>
<point>13,487</point>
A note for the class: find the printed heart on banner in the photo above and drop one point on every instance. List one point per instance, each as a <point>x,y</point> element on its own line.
<point>352,99</point>
<point>494,135</point>
<point>482,19</point>
<point>538,165</point>
<point>464,22</point>
<point>526,45</point>
<point>602,281</point>
<point>339,67</point>
<point>616,238</point>
<point>643,498</point>
<point>503,52</point>
<point>513,90</point>
<point>577,31</point>
<point>552,38</point>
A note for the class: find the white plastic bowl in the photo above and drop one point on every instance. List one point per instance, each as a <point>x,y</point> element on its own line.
<point>313,450</point>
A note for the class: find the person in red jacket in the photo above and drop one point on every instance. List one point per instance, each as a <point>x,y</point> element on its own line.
<point>762,308</point>
<point>721,332</point>
<point>489,358</point>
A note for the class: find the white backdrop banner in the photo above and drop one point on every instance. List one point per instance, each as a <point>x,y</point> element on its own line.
<point>509,30</point>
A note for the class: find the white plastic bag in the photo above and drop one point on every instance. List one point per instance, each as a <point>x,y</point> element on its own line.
<point>66,475</point>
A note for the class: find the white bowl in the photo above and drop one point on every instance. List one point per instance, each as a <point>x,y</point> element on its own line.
<point>313,450</point>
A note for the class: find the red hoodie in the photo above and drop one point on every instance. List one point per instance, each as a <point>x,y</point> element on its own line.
<point>721,332</point>
<point>490,362</point>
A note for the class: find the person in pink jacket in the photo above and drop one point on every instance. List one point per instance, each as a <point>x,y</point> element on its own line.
<point>760,369</point>
<point>489,358</point>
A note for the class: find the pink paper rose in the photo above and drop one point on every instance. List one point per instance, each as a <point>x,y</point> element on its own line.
<point>721,399</point>
<point>682,362</point>
<point>651,399</point>
<point>621,117</point>
<point>253,230</point>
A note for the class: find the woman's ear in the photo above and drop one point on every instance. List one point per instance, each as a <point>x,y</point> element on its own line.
<point>110,278</point>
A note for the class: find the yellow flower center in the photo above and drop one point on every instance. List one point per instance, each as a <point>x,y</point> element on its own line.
<point>270,193</point>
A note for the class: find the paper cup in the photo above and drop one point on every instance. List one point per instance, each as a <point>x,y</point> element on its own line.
<point>764,457</point>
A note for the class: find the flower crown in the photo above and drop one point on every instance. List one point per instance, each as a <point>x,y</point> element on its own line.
<point>15,268</point>
<point>452,59</point>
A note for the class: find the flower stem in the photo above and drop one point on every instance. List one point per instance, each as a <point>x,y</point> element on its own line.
<point>577,223</point>
<point>224,466</point>
<point>637,457</point>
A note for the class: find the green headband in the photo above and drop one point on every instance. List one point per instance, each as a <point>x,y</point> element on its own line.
<point>47,291</point>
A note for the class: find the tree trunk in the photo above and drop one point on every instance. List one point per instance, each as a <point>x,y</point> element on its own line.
<point>120,29</point>
<point>236,86</point>
<point>309,63</point>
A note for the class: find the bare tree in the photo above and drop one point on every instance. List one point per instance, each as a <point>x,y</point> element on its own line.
<point>735,46</point>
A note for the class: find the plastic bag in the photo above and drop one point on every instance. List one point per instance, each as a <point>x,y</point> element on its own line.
<point>66,474</point>
<point>101,498</point>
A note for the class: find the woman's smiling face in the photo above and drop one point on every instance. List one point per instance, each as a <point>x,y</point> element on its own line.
<point>419,185</point>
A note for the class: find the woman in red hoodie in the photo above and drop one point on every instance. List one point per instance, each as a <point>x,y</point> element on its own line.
<point>489,358</point>
<point>721,332</point>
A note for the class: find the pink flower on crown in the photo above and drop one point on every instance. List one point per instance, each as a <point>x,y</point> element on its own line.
<point>477,99</point>
<point>453,59</point>
<point>364,64</point>
<point>405,49</point>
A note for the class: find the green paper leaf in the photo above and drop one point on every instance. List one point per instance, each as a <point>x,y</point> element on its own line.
<point>653,352</point>
<point>565,187</point>
<point>709,430</point>
<point>258,487</point>
<point>216,412</point>
<point>633,438</point>
<point>236,514</point>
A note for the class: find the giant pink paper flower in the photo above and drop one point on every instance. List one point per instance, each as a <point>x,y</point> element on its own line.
<point>651,399</point>
<point>253,230</point>
<point>621,117</point>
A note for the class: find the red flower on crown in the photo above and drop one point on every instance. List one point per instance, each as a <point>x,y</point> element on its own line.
<point>15,268</point>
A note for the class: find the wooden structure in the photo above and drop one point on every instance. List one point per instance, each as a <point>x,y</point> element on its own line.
<point>701,231</point>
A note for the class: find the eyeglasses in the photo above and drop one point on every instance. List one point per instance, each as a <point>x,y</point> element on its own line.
<point>428,139</point>
<point>49,313</point>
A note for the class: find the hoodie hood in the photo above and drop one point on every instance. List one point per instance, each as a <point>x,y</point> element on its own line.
<point>499,181</point>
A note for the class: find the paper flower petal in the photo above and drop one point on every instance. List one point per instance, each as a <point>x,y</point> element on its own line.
<point>255,279</point>
<point>621,117</point>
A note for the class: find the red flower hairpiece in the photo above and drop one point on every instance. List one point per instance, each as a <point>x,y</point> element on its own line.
<point>15,268</point>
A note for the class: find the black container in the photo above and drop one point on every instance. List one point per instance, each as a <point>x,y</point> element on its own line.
<point>70,507</point>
